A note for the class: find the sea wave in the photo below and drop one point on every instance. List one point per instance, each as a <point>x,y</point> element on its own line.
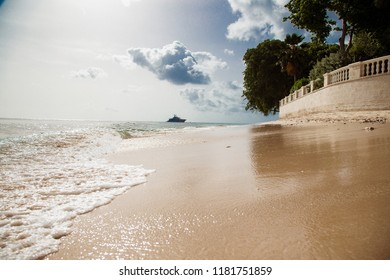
<point>52,171</point>
<point>48,178</point>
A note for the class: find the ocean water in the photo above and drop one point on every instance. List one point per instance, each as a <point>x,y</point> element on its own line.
<point>52,171</point>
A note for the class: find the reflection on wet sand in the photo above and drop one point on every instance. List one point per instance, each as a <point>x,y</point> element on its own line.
<point>331,189</point>
<point>249,193</point>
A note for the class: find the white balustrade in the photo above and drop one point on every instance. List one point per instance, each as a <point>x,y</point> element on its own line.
<point>358,70</point>
<point>375,66</point>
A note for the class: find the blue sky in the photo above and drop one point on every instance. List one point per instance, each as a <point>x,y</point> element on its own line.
<point>131,59</point>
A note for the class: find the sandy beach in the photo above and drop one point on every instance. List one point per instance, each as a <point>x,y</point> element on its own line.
<point>315,188</point>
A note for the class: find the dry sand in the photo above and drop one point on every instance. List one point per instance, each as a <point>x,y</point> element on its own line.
<point>277,191</point>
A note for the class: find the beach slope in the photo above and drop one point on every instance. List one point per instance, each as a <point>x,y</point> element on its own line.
<point>253,192</point>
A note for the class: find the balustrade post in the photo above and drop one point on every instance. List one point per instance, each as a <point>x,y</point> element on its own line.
<point>311,86</point>
<point>303,91</point>
<point>327,80</point>
<point>355,70</point>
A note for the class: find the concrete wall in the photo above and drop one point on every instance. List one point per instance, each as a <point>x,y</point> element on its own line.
<point>367,93</point>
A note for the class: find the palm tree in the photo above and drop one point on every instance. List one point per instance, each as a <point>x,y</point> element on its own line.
<point>293,58</point>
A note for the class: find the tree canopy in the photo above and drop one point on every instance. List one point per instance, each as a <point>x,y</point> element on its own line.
<point>294,57</point>
<point>274,65</point>
<point>320,18</point>
<point>264,82</point>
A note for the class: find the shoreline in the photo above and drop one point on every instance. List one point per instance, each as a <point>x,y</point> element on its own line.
<point>345,117</point>
<point>289,189</point>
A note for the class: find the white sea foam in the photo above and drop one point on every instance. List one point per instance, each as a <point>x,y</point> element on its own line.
<point>48,178</point>
<point>153,142</point>
<point>52,171</point>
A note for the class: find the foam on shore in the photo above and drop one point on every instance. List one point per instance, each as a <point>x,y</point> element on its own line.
<point>49,178</point>
<point>256,192</point>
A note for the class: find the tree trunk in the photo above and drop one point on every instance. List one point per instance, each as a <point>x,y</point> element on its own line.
<point>350,41</point>
<point>342,41</point>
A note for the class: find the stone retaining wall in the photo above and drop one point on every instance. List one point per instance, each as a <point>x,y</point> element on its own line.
<point>370,93</point>
<point>356,87</point>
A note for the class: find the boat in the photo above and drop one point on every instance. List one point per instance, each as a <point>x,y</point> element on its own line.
<point>176,119</point>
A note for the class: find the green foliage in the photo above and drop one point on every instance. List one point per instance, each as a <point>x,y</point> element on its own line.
<point>365,15</point>
<point>272,64</point>
<point>294,59</point>
<point>355,16</point>
<point>327,64</point>
<point>317,51</point>
<point>299,83</point>
<point>312,16</point>
<point>293,39</point>
<point>264,82</point>
<point>366,46</point>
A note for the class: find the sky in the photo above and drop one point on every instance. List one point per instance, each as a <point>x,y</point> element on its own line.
<point>132,60</point>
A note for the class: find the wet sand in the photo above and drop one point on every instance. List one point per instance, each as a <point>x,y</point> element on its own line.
<point>254,192</point>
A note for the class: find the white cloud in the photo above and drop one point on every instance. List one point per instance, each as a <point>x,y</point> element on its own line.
<point>89,73</point>
<point>228,52</point>
<point>103,56</point>
<point>208,63</point>
<point>124,61</point>
<point>127,3</point>
<point>136,89</point>
<point>225,97</point>
<point>258,19</point>
<point>177,64</point>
